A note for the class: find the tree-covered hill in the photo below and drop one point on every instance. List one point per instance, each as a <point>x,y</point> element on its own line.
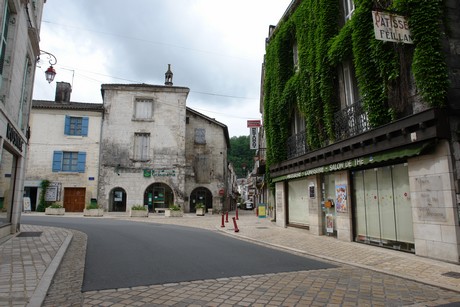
<point>240,155</point>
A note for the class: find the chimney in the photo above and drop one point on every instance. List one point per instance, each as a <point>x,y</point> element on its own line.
<point>63,90</point>
<point>168,76</point>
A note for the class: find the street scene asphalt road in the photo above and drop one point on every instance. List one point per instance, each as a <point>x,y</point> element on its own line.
<point>124,254</point>
<point>361,275</point>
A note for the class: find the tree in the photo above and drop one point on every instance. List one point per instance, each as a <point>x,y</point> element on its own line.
<point>240,155</point>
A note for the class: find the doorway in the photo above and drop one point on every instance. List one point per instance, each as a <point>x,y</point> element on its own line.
<point>74,199</point>
<point>157,196</point>
<point>200,195</point>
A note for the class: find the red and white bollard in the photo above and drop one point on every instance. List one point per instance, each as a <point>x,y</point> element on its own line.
<point>234,224</point>
<point>226,217</point>
<point>236,213</point>
<point>223,225</point>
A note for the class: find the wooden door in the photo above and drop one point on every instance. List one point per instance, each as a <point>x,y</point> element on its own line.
<point>74,199</point>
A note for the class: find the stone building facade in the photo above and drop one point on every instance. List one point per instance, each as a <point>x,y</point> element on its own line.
<point>64,150</point>
<point>19,50</point>
<point>392,183</point>
<point>157,152</point>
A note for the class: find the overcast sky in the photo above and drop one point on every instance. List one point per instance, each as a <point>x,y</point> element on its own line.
<point>215,48</point>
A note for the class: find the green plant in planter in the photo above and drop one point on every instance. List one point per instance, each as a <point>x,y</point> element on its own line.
<point>199,206</point>
<point>92,206</point>
<point>174,208</point>
<point>55,206</point>
<point>139,207</point>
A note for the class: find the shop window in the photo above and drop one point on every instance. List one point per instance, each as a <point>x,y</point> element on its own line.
<point>200,136</point>
<point>76,125</point>
<point>382,207</point>
<point>141,146</point>
<point>69,161</point>
<point>143,109</point>
<point>7,177</point>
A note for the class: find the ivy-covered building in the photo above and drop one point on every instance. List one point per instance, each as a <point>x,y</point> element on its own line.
<point>361,117</point>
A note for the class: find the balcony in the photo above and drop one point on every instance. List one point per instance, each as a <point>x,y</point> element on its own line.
<point>297,145</point>
<point>350,121</point>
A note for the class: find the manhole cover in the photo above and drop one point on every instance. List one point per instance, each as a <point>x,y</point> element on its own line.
<point>30,234</point>
<point>452,274</point>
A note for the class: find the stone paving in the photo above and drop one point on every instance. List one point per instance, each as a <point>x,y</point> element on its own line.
<point>365,276</point>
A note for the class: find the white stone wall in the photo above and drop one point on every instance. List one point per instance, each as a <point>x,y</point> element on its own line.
<point>22,43</point>
<point>167,141</point>
<point>434,205</point>
<point>216,151</point>
<point>47,126</point>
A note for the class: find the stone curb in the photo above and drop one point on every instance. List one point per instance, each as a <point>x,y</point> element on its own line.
<point>40,292</point>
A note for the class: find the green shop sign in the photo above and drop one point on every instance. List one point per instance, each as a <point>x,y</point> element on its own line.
<point>159,173</point>
<point>406,152</point>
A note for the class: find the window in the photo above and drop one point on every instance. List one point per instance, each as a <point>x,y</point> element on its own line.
<point>76,125</point>
<point>349,8</point>
<point>349,81</point>
<point>23,112</point>
<point>141,146</point>
<point>143,109</point>
<point>69,161</point>
<point>3,39</point>
<point>200,136</point>
<point>295,54</point>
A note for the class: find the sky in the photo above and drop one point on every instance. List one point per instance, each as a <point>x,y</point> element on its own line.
<point>215,48</point>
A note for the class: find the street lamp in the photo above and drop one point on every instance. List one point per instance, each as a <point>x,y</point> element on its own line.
<point>50,72</point>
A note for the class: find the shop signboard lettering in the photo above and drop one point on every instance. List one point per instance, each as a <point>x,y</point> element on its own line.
<point>254,139</point>
<point>391,27</point>
<point>14,137</point>
<point>159,173</point>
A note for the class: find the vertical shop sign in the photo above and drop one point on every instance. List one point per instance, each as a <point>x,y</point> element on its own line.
<point>253,138</point>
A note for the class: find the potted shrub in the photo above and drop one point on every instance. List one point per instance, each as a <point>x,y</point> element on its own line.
<point>173,211</point>
<point>55,209</point>
<point>138,211</point>
<point>200,209</point>
<point>93,210</point>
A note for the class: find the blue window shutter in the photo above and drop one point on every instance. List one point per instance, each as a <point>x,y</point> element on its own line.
<point>57,161</point>
<point>84,126</point>
<point>67,125</point>
<point>81,162</point>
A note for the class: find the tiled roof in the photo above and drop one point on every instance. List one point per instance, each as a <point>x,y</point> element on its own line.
<point>48,104</point>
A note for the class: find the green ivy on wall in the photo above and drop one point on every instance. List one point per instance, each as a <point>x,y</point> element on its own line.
<point>322,47</point>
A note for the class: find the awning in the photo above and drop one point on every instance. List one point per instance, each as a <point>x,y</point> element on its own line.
<point>400,153</point>
<point>408,151</point>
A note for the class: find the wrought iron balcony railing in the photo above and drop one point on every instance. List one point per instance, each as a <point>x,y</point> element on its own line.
<point>350,121</point>
<point>297,145</point>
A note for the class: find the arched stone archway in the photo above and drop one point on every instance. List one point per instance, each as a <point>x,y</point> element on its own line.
<point>200,195</point>
<point>117,201</point>
<point>158,195</point>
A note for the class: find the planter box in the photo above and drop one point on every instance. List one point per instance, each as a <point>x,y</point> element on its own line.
<point>200,211</point>
<point>93,212</point>
<point>138,213</point>
<point>172,213</point>
<point>54,211</point>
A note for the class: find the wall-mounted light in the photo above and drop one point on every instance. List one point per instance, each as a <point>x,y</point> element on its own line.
<point>50,73</point>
